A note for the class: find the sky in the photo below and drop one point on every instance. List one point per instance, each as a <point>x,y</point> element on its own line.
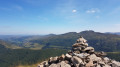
<point>58,16</point>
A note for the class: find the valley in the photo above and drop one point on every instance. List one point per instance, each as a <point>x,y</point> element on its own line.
<point>30,50</point>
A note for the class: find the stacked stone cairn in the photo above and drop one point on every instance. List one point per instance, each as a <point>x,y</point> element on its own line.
<point>81,55</point>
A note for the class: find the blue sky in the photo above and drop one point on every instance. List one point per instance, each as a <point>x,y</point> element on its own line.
<point>58,16</point>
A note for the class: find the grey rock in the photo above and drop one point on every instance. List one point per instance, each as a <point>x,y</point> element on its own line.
<point>40,65</point>
<point>76,61</point>
<point>53,65</point>
<point>116,63</point>
<point>53,59</point>
<point>93,57</point>
<point>63,64</point>
<point>90,64</point>
<point>99,54</point>
<point>68,56</point>
<point>82,55</point>
<point>106,59</point>
<point>85,44</point>
<point>106,65</point>
<point>89,49</point>
<point>44,63</point>
<point>61,58</point>
<point>81,39</point>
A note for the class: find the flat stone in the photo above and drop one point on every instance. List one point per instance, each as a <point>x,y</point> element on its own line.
<point>82,55</point>
<point>85,44</point>
<point>76,45</point>
<point>77,48</point>
<point>89,49</point>
<point>100,54</point>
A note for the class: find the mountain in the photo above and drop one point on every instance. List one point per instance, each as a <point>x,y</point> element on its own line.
<point>100,41</point>
<point>15,57</point>
<point>8,45</point>
<point>117,33</point>
<point>22,41</point>
<point>52,45</point>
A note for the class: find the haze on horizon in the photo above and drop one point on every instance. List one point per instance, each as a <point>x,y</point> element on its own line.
<point>58,16</point>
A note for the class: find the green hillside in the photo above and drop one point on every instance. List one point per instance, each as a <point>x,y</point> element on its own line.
<point>100,41</point>
<point>15,57</point>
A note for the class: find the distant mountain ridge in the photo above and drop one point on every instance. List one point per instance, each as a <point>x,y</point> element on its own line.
<point>100,41</point>
<point>117,33</point>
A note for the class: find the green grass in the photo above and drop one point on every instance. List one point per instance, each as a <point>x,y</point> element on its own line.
<point>37,46</point>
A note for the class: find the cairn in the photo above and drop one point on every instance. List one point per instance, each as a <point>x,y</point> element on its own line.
<point>81,55</point>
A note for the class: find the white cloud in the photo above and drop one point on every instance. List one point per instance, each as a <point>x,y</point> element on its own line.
<point>74,11</point>
<point>93,10</point>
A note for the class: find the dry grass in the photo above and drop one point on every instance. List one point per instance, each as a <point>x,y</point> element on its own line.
<point>33,65</point>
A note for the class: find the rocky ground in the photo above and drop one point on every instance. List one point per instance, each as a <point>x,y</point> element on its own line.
<point>81,55</point>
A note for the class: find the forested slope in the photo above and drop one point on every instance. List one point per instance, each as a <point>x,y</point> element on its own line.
<point>100,41</point>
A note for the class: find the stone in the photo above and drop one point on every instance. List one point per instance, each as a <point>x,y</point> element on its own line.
<point>76,61</point>
<point>81,39</point>
<point>44,63</point>
<point>89,64</point>
<point>68,56</point>
<point>67,62</point>
<point>77,49</point>
<point>106,59</point>
<point>40,65</point>
<point>53,65</point>
<point>62,57</point>
<point>70,52</point>
<point>97,65</point>
<point>82,55</point>
<point>93,57</point>
<point>101,63</point>
<point>89,49</point>
<point>99,54</point>
<point>53,59</point>
<point>78,52</point>
<point>76,45</point>
<point>116,63</point>
<point>63,64</point>
<point>85,44</point>
<point>106,65</point>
